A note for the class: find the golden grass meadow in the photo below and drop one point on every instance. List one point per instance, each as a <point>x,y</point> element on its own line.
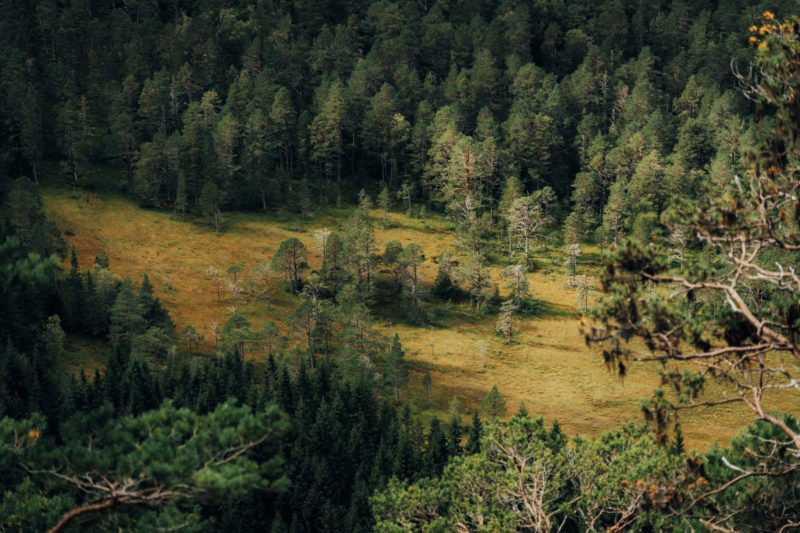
<point>548,366</point>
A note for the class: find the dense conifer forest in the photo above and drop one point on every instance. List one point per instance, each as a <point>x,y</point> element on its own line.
<point>663,135</point>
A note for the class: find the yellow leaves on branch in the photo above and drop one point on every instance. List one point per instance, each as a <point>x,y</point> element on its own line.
<point>767,29</point>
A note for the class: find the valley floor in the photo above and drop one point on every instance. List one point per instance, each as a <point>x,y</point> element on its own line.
<point>548,366</point>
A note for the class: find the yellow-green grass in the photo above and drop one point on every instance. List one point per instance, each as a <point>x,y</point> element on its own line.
<point>547,366</point>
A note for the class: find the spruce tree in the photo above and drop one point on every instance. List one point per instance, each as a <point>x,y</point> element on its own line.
<point>493,403</point>
<point>127,317</point>
<point>397,372</point>
<point>436,453</point>
<point>101,259</point>
<point>427,382</point>
<point>72,303</point>
<point>475,433</point>
<point>454,434</point>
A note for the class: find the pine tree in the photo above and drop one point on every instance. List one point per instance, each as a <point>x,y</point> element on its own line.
<point>436,453</point>
<point>53,338</point>
<point>101,259</point>
<point>493,404</point>
<point>326,134</point>
<point>392,258</point>
<point>426,385</point>
<point>235,270</point>
<point>210,203</point>
<point>291,260</point>
<point>505,323</point>
<point>412,258</point>
<point>454,429</point>
<point>72,296</point>
<point>127,317</point>
<point>236,333</point>
<point>678,446</point>
<point>385,203</point>
<point>475,434</point>
<point>558,439</point>
<point>180,458</point>
<point>397,372</point>
<point>95,319</point>
<point>181,195</point>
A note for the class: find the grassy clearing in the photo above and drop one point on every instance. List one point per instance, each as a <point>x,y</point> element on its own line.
<point>547,366</point>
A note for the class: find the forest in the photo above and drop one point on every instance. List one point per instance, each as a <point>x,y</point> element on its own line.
<point>376,182</point>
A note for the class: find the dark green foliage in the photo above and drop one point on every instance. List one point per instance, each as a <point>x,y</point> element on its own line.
<point>444,288</point>
<point>678,445</point>
<point>290,260</point>
<point>436,453</point>
<point>210,203</point>
<point>293,104</point>
<point>26,290</point>
<point>454,434</point>
<point>24,213</point>
<point>396,369</point>
<point>154,313</point>
<point>762,502</point>
<point>493,404</point>
<point>18,384</point>
<point>167,456</point>
<point>72,295</point>
<point>475,434</point>
<point>605,111</point>
<point>427,383</point>
<point>343,443</point>
<point>589,484</point>
<point>127,317</point>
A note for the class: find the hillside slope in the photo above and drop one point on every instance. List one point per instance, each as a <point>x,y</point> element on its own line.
<point>547,366</point>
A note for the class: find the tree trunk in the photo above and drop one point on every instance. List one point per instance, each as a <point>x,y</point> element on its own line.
<point>415,287</point>
<point>294,274</point>
<point>527,249</point>
<point>236,291</point>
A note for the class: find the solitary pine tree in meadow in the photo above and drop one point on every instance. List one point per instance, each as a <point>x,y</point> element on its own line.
<point>264,273</point>
<point>392,258</point>
<point>235,270</point>
<point>427,383</point>
<point>412,259</point>
<point>493,404</point>
<point>291,260</point>
<point>397,370</point>
<point>505,323</point>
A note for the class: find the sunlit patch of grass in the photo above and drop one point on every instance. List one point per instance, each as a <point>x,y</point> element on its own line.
<point>548,365</point>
